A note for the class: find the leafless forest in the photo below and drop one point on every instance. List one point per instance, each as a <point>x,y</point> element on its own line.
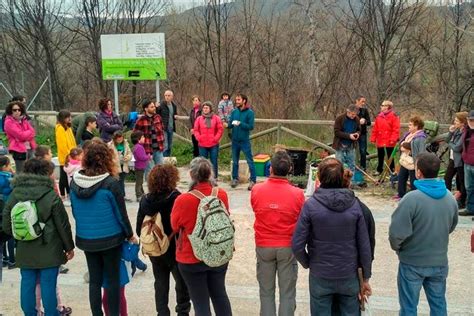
<point>293,58</point>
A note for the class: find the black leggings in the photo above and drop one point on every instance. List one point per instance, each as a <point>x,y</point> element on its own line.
<point>460,185</point>
<point>63,183</point>
<point>99,263</point>
<point>195,147</point>
<point>381,156</point>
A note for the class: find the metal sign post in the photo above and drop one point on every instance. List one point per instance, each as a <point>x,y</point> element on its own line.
<point>157,92</point>
<point>116,97</point>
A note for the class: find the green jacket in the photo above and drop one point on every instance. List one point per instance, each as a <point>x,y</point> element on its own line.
<point>48,250</point>
<point>247,118</point>
<point>79,125</point>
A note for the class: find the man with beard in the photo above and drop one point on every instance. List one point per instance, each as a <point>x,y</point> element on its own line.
<point>168,112</point>
<point>150,124</point>
<point>241,122</point>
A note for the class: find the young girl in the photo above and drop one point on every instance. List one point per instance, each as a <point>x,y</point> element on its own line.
<point>43,152</point>
<point>73,163</point>
<point>129,254</point>
<point>123,156</point>
<point>141,161</point>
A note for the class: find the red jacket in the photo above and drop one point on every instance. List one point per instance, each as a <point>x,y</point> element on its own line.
<point>208,137</point>
<point>386,130</point>
<point>277,205</point>
<point>183,216</point>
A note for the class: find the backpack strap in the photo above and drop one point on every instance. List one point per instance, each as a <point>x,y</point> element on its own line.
<point>198,194</point>
<point>215,191</point>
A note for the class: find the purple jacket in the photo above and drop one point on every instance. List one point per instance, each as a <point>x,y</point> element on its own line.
<point>468,146</point>
<point>141,157</point>
<point>331,237</point>
<point>108,125</point>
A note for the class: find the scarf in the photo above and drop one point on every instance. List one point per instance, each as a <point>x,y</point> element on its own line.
<point>383,114</point>
<point>410,136</point>
<point>109,113</point>
<point>208,119</point>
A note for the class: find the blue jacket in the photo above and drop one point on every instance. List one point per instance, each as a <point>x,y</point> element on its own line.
<point>332,229</point>
<point>98,206</point>
<point>247,119</point>
<point>5,186</point>
<point>129,254</point>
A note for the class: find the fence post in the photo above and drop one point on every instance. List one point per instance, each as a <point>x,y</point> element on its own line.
<point>278,133</point>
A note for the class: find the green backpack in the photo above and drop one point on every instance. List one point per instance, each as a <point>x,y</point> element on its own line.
<point>212,238</point>
<point>25,223</point>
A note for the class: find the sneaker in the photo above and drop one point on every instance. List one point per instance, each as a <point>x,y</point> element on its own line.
<point>127,200</point>
<point>64,310</point>
<point>465,213</point>
<point>143,268</point>
<point>251,184</point>
<point>63,269</point>
<point>234,183</point>
<point>11,265</point>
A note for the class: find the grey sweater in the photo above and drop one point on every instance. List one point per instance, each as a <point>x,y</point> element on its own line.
<point>420,227</point>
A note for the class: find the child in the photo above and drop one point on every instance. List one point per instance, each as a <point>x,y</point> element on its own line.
<point>73,163</point>
<point>129,254</point>
<point>91,125</point>
<point>224,108</point>
<point>43,152</point>
<point>141,161</point>
<point>123,154</point>
<point>8,245</point>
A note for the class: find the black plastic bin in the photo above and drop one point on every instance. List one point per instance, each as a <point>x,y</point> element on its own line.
<point>298,157</point>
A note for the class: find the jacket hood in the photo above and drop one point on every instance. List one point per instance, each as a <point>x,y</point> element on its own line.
<point>337,200</point>
<point>153,202</point>
<point>31,186</point>
<point>435,188</point>
<point>85,186</point>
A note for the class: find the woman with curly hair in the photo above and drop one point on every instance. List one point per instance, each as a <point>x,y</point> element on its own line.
<point>162,183</point>
<point>107,120</point>
<point>102,223</point>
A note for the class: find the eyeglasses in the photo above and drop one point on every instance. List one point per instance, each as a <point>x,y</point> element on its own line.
<point>16,110</point>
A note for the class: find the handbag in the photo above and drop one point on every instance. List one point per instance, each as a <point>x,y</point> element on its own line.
<point>407,161</point>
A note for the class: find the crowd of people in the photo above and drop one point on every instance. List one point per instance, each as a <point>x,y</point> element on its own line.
<point>332,233</point>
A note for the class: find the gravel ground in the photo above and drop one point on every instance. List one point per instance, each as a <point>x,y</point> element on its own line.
<point>241,281</point>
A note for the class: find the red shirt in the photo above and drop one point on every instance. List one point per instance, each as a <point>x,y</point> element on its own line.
<point>183,216</point>
<point>277,205</point>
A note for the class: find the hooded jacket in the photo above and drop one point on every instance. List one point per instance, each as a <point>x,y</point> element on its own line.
<point>108,124</point>
<point>421,224</point>
<point>386,130</point>
<point>153,203</point>
<point>65,141</point>
<point>98,206</point>
<point>246,117</point>
<point>331,238</point>
<point>48,250</point>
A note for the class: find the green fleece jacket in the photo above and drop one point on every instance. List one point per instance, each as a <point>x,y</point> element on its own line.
<point>421,224</point>
<point>246,117</point>
<point>48,250</point>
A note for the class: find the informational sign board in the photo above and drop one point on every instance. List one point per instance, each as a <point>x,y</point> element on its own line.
<point>133,56</point>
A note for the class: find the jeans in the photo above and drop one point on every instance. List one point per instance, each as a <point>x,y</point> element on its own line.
<point>63,182</point>
<point>323,291</point>
<point>363,150</point>
<point>403,176</point>
<point>195,146</point>
<point>270,262</point>
<point>100,263</point>
<point>9,251</point>
<point>139,174</point>
<point>381,151</point>
<point>246,148</point>
<point>163,266</point>
<point>469,182</point>
<point>168,143</point>
<point>347,157</point>
<point>122,176</point>
<point>411,279</point>
<point>157,159</point>
<point>48,281</point>
<point>211,153</point>
<point>451,171</point>
<point>204,282</point>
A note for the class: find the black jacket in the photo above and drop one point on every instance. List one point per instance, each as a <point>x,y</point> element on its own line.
<point>364,113</point>
<point>164,112</point>
<point>370,224</point>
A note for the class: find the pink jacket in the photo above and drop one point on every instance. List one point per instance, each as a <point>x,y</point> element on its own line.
<point>208,137</point>
<point>19,132</point>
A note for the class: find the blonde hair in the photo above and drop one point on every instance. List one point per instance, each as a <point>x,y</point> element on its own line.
<point>462,117</point>
<point>388,103</point>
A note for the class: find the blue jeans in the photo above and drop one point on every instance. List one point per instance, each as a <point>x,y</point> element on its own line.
<point>157,159</point>
<point>246,148</point>
<point>411,279</point>
<point>347,157</point>
<point>48,283</point>
<point>469,181</point>
<point>168,143</point>
<point>211,153</point>
<point>363,150</point>
<point>323,291</point>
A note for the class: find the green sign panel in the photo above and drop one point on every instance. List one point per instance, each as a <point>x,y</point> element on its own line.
<point>133,56</point>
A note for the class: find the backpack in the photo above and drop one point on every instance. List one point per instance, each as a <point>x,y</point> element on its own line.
<point>25,222</point>
<point>212,238</point>
<point>152,236</point>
